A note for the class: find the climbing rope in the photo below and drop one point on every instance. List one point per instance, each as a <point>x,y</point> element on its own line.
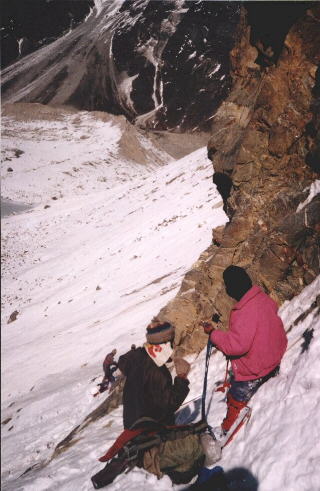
<point>205,380</point>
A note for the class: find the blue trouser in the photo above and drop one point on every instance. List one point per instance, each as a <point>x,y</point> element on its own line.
<point>244,390</point>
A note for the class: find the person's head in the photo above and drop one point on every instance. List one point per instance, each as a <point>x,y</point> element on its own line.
<point>159,332</point>
<point>237,282</point>
<point>133,346</point>
<point>114,351</point>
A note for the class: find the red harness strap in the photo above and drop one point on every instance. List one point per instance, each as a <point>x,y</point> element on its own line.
<point>122,439</point>
<point>225,384</point>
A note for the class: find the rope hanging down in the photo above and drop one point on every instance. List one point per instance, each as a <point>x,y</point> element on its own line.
<point>204,391</point>
<point>215,318</point>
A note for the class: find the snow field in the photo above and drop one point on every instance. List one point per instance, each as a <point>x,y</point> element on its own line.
<point>87,274</point>
<point>89,271</point>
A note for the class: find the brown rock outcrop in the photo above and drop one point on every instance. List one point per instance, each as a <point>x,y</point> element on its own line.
<point>261,138</point>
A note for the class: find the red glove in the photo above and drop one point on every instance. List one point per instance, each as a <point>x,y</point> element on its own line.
<point>207,327</point>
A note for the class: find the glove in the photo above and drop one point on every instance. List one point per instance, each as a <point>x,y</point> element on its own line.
<point>207,327</point>
<point>182,367</point>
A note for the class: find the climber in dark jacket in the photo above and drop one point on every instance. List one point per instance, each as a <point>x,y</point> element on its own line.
<point>109,367</point>
<point>149,390</point>
<point>109,360</point>
<point>150,399</point>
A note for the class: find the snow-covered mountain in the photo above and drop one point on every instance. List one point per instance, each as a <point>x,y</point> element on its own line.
<point>26,26</point>
<point>145,59</point>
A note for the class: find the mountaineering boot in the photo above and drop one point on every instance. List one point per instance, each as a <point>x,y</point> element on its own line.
<point>111,470</point>
<point>238,413</point>
<point>233,409</point>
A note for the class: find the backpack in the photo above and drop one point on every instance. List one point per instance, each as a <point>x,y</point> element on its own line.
<point>129,448</point>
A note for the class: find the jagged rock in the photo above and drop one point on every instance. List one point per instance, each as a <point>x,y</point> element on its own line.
<point>259,140</point>
<point>217,234</point>
<point>280,139</point>
<point>13,316</point>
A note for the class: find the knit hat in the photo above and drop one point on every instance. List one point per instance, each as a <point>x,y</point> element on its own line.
<point>159,332</point>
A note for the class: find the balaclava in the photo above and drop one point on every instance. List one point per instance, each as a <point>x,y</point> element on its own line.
<point>237,282</point>
<point>159,338</point>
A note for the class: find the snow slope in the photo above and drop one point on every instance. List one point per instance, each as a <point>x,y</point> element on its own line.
<point>87,273</point>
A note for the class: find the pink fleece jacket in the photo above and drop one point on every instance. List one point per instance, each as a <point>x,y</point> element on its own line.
<point>256,336</point>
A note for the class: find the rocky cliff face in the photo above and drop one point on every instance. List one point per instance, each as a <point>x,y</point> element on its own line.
<point>264,146</point>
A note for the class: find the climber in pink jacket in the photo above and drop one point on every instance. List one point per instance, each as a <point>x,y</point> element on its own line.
<point>256,340</point>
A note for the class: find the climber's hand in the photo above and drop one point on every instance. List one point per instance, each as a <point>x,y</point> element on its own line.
<point>182,367</point>
<point>207,326</point>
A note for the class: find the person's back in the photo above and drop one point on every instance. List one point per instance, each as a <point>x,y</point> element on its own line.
<point>150,399</point>
<point>256,334</point>
<point>109,367</point>
<point>132,366</point>
<point>256,340</point>
<point>151,395</point>
<point>109,359</point>
<point>149,391</point>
